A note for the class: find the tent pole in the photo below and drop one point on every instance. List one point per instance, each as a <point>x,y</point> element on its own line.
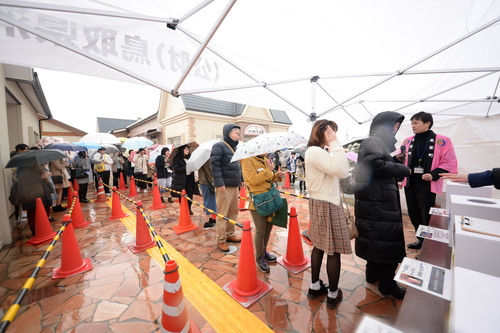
<point>81,10</point>
<point>312,116</point>
<point>265,85</point>
<point>335,101</point>
<point>203,46</point>
<point>493,97</point>
<point>446,90</point>
<point>399,72</point>
<point>195,10</point>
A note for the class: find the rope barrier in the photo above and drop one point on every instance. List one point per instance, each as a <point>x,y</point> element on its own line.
<point>14,308</point>
<point>197,204</point>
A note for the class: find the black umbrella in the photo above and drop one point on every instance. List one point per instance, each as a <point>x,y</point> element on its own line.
<point>65,147</point>
<point>301,151</point>
<point>35,157</point>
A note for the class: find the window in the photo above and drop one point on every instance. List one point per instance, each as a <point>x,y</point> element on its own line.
<point>175,141</point>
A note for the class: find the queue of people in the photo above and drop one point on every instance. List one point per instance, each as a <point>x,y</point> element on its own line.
<point>427,159</point>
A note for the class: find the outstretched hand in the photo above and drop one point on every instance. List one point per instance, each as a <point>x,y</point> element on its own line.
<point>455,177</point>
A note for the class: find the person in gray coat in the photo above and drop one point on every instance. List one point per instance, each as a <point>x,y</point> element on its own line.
<point>83,161</point>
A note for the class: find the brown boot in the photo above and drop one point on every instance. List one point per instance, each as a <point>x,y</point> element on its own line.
<point>233,239</point>
<point>223,247</point>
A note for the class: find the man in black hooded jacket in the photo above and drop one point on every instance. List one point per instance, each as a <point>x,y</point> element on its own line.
<point>227,179</point>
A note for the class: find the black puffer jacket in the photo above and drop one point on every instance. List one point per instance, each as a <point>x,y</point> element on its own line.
<point>378,207</point>
<point>179,177</point>
<point>225,173</point>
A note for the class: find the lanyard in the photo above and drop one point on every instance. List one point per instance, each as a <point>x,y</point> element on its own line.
<point>421,156</point>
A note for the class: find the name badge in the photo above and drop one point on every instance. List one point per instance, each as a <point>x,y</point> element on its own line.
<point>418,170</point>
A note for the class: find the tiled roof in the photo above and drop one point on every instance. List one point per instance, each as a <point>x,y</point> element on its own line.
<point>106,125</point>
<point>280,117</point>
<point>204,104</point>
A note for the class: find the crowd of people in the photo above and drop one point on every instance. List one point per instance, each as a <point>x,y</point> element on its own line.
<point>424,160</point>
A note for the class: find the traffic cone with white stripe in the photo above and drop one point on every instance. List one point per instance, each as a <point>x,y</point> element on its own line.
<point>294,260</point>
<point>175,317</point>
<point>101,196</point>
<point>143,238</point>
<point>247,289</point>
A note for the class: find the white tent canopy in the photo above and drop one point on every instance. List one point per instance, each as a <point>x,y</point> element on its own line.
<point>353,58</point>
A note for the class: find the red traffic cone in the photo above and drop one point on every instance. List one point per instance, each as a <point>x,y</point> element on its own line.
<point>101,196</point>
<point>133,190</point>
<point>116,207</point>
<point>71,258</point>
<point>294,260</point>
<point>143,238</point>
<point>76,187</point>
<point>287,180</point>
<point>157,204</point>
<point>70,197</point>
<point>175,317</point>
<point>155,178</point>
<point>185,223</point>
<point>247,289</point>
<point>242,204</point>
<point>122,186</point>
<point>77,214</point>
<point>43,230</point>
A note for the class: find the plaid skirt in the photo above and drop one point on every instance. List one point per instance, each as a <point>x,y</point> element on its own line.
<point>328,228</point>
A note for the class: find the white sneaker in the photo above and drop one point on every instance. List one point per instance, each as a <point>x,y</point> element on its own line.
<point>145,191</point>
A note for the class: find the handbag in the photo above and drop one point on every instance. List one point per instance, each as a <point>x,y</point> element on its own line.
<point>13,198</point>
<point>99,167</point>
<point>280,217</point>
<point>79,173</point>
<point>351,221</point>
<point>57,179</point>
<point>268,202</point>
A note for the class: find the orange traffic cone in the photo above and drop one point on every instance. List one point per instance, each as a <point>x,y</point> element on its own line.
<point>156,197</point>
<point>294,260</point>
<point>287,180</point>
<point>43,230</point>
<point>70,197</point>
<point>185,223</point>
<point>71,258</point>
<point>133,190</point>
<point>76,187</point>
<point>175,317</point>
<point>101,196</point>
<point>242,205</point>
<point>143,238</point>
<point>77,214</point>
<point>116,207</point>
<point>122,186</point>
<point>247,289</point>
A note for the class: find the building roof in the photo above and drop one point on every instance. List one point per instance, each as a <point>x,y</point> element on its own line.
<point>106,125</point>
<point>280,117</point>
<point>204,104</point>
<point>209,105</point>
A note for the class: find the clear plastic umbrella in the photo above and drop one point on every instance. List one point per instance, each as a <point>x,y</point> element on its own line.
<point>200,156</point>
<point>137,142</point>
<point>101,138</point>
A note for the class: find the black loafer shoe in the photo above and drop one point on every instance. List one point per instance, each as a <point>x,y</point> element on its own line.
<point>323,290</point>
<point>417,245</point>
<point>332,303</point>
<point>396,292</point>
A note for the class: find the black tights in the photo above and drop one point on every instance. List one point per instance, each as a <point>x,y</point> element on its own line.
<point>332,267</point>
<point>302,183</point>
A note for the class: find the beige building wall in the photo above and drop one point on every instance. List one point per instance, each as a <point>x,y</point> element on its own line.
<point>22,120</point>
<point>55,130</point>
<point>187,125</point>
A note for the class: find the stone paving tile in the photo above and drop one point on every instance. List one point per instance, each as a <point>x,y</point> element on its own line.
<point>123,292</point>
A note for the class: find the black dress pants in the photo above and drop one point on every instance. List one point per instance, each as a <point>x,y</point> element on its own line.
<point>419,200</point>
